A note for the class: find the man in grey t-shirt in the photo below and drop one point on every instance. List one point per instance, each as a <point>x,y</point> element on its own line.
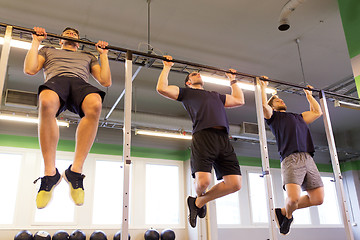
<point>66,86</point>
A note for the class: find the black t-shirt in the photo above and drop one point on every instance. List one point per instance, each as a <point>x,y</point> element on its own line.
<point>291,132</point>
<point>206,109</point>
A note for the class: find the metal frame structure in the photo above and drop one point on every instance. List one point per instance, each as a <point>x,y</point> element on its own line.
<point>147,59</point>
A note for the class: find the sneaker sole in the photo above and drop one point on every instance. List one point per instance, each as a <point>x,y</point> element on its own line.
<point>288,231</point>
<point>277,220</point>
<point>70,185</point>
<point>51,191</point>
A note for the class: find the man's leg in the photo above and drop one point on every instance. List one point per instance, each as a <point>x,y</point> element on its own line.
<point>315,197</point>
<point>85,136</point>
<point>231,183</point>
<point>49,104</point>
<point>86,130</point>
<point>292,201</point>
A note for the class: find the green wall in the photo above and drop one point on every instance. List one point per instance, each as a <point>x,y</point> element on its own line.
<point>350,16</point>
<point>180,155</point>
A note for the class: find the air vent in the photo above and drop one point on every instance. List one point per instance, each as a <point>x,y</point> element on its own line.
<point>16,98</point>
<point>251,129</point>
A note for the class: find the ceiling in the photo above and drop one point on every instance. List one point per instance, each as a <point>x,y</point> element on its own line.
<point>225,34</point>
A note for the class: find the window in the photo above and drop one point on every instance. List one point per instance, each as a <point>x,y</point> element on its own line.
<point>108,192</point>
<point>228,208</point>
<point>301,216</point>
<point>61,208</point>
<point>162,194</point>
<point>330,202</point>
<point>9,173</point>
<point>258,198</point>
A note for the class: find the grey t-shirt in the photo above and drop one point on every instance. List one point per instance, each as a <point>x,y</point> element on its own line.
<point>61,62</point>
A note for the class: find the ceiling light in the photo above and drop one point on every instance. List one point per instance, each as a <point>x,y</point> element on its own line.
<point>225,82</point>
<point>27,119</point>
<point>177,135</point>
<point>19,44</point>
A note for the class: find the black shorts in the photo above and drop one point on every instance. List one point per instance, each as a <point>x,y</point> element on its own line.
<point>211,148</point>
<point>71,91</point>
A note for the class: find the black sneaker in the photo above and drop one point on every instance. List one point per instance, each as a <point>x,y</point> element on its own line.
<point>285,226</point>
<point>202,212</point>
<point>193,211</point>
<point>279,217</point>
<point>48,183</point>
<point>75,181</point>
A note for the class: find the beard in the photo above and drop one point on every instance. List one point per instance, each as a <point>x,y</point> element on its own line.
<point>280,108</point>
<point>70,43</point>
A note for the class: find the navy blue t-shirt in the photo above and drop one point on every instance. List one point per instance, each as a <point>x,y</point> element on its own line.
<point>206,109</point>
<point>291,132</point>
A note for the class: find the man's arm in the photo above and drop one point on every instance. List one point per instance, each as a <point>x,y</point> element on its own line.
<point>268,111</point>
<point>102,72</point>
<point>315,109</point>
<point>33,61</point>
<point>162,86</point>
<point>236,99</point>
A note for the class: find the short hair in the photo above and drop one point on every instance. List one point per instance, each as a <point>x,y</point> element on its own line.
<point>270,101</point>
<point>187,79</point>
<point>73,29</point>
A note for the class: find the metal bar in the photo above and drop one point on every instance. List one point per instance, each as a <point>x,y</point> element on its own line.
<point>127,144</point>
<point>265,159</point>
<point>202,66</point>
<point>122,94</point>
<point>336,168</point>
<point>4,59</point>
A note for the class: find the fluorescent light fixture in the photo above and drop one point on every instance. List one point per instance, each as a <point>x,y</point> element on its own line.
<point>163,134</point>
<point>224,82</point>
<point>26,119</point>
<point>338,103</point>
<point>18,44</point>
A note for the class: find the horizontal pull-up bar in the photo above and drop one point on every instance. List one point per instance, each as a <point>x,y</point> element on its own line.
<point>201,66</point>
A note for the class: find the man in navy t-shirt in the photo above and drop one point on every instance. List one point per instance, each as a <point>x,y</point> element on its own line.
<point>210,146</point>
<point>296,150</point>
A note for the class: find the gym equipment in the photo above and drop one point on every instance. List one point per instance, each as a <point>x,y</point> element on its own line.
<point>152,234</point>
<point>117,236</point>
<point>167,234</point>
<point>77,235</point>
<point>60,235</point>
<point>42,235</point>
<point>23,235</point>
<point>98,235</point>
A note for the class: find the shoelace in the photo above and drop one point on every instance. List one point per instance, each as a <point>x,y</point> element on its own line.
<point>38,179</point>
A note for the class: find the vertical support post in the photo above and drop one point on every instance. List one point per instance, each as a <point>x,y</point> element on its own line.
<point>265,159</point>
<point>127,144</point>
<point>336,168</point>
<point>4,59</point>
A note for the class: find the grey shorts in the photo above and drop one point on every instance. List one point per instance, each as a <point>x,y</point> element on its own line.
<point>299,168</point>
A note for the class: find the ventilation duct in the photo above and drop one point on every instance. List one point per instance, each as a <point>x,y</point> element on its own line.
<point>289,7</point>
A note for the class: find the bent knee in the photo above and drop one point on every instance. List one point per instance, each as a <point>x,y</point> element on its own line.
<point>318,201</point>
<point>92,109</point>
<point>236,186</point>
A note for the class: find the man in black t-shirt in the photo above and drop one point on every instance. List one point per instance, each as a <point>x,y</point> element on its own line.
<point>210,146</point>
<point>296,150</point>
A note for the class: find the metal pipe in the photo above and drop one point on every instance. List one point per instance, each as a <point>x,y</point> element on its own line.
<point>127,144</point>
<point>265,159</point>
<point>122,94</point>
<point>202,66</point>
<point>4,59</point>
<point>336,168</point>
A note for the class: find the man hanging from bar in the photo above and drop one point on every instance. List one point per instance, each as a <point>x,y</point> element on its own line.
<point>210,146</point>
<point>66,86</point>
<point>296,150</point>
